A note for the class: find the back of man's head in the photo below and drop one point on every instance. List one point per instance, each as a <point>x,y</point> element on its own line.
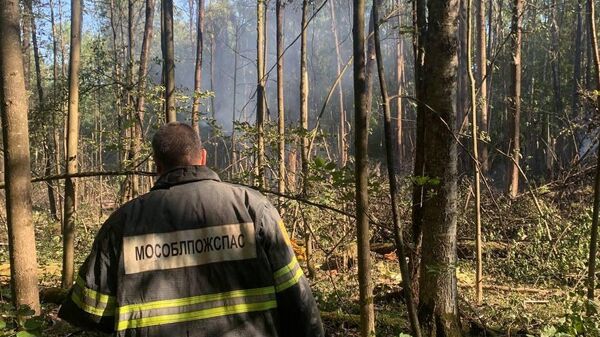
<point>176,144</point>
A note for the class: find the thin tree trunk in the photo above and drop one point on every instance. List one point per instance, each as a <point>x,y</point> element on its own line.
<point>399,144</point>
<point>342,144</point>
<point>21,235</point>
<point>575,105</point>
<point>26,43</point>
<point>438,307</point>
<point>474,133</point>
<point>260,91</point>
<point>558,105</point>
<point>138,125</point>
<point>482,83</point>
<point>198,68</point>
<point>72,144</point>
<point>419,39</point>
<point>596,212</point>
<point>169,60</point>
<point>394,190</point>
<point>361,134</point>
<point>304,88</point>
<point>280,102</point>
<point>236,51</point>
<point>515,100</point>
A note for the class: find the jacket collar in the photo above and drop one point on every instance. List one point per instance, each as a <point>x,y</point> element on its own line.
<point>184,174</point>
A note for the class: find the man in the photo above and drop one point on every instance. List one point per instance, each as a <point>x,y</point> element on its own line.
<point>193,257</point>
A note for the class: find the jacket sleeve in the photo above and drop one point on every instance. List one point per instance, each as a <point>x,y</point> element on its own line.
<point>297,310</point>
<point>90,303</point>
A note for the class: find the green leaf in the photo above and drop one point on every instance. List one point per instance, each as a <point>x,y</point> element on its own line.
<point>33,324</point>
<point>2,324</point>
<point>27,334</point>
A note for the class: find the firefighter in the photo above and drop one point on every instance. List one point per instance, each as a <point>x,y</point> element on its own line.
<point>193,257</point>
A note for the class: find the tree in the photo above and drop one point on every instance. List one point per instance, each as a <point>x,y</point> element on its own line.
<point>260,90</point>
<point>361,142</point>
<point>482,82</point>
<point>342,143</point>
<point>514,101</point>
<point>391,169</point>
<point>305,144</point>
<point>169,60</point>
<point>72,142</point>
<point>596,211</point>
<point>198,68</point>
<point>475,136</point>
<point>280,102</point>
<point>438,307</point>
<point>21,236</point>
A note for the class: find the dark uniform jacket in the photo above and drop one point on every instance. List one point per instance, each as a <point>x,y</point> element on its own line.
<point>193,257</point>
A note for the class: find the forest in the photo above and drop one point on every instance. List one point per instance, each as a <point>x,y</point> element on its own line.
<point>436,162</point>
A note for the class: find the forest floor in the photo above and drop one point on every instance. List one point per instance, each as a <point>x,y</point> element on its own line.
<point>535,266</point>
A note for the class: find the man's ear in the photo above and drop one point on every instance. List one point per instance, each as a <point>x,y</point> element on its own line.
<point>203,157</point>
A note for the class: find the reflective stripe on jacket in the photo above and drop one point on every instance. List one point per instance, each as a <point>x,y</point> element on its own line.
<point>193,257</point>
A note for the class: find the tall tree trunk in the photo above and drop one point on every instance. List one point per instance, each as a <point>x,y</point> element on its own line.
<point>236,51</point>
<point>361,134</point>
<point>342,143</point>
<point>474,134</point>
<point>514,101</point>
<point>41,107</point>
<point>72,142</point>
<point>482,83</point>
<point>138,125</point>
<point>260,91</point>
<point>399,143</point>
<point>596,212</point>
<point>169,60</point>
<point>438,307</point>
<point>56,105</point>
<point>575,106</point>
<point>280,102</point>
<point>419,38</point>
<point>391,169</point>
<point>198,68</point>
<point>558,105</point>
<point>21,235</point>
<point>304,87</point>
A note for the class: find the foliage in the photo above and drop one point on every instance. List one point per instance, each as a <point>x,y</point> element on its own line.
<point>582,318</point>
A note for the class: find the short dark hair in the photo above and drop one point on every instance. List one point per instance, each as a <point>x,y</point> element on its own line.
<point>175,144</point>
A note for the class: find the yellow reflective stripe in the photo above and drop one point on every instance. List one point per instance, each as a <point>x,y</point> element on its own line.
<point>106,311</point>
<point>98,297</point>
<point>283,286</point>
<point>195,315</point>
<point>284,233</point>
<point>286,269</point>
<point>195,299</point>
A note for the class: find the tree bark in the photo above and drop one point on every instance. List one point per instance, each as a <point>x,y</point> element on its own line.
<point>474,133</point>
<point>482,84</point>
<point>419,38</point>
<point>438,307</point>
<point>72,144</point>
<point>391,169</point>
<point>280,102</point>
<point>342,143</point>
<point>260,91</point>
<point>21,235</point>
<point>198,68</point>
<point>304,88</point>
<point>595,215</point>
<point>514,101</point>
<point>169,61</point>
<point>361,118</point>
